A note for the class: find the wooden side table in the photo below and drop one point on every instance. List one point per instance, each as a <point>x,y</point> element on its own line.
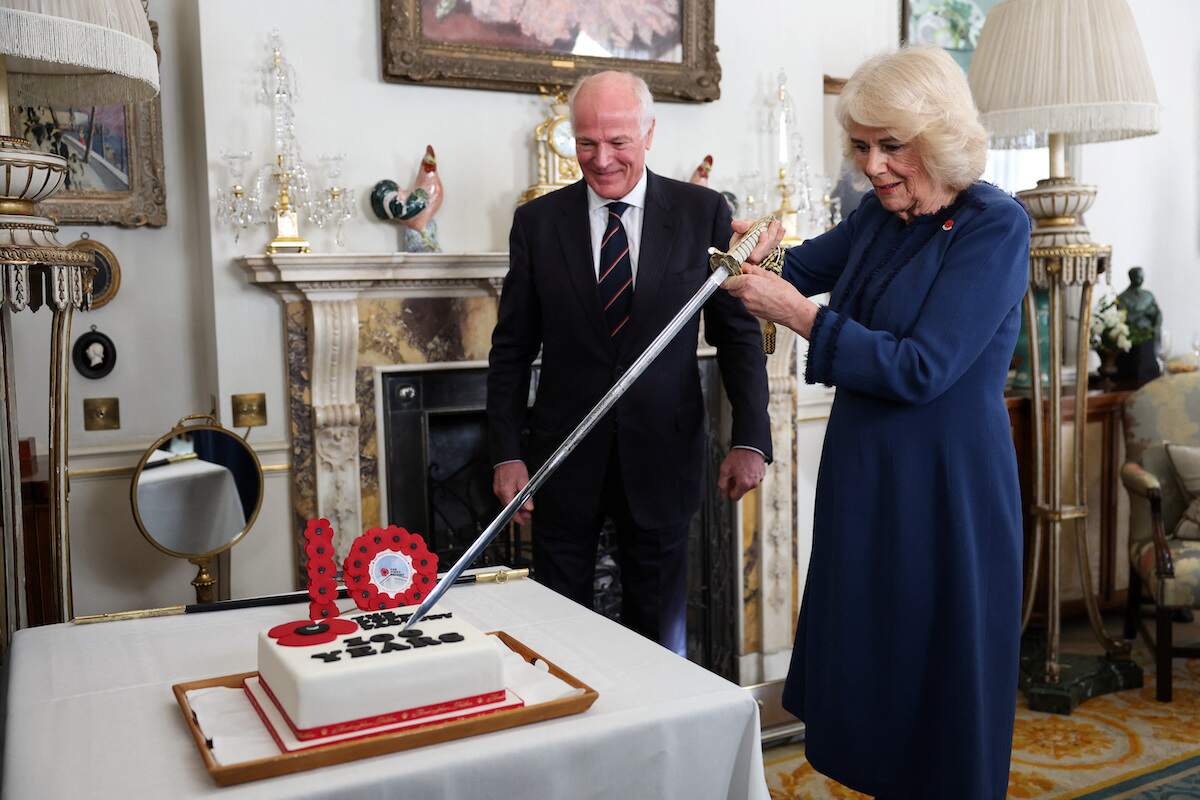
<point>1104,408</point>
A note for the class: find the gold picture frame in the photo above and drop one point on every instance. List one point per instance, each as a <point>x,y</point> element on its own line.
<point>132,192</point>
<point>676,55</point>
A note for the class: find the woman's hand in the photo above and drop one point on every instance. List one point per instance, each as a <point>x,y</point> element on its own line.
<point>769,297</point>
<point>767,242</point>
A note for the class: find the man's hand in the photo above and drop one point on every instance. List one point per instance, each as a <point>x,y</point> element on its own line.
<point>767,242</point>
<point>740,472</point>
<point>509,479</point>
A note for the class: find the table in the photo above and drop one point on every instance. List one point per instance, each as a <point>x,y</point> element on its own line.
<point>91,714</point>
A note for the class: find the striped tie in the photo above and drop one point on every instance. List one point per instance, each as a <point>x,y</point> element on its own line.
<point>615,279</point>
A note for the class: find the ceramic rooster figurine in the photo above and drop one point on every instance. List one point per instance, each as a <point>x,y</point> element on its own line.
<point>414,208</point>
<point>700,173</point>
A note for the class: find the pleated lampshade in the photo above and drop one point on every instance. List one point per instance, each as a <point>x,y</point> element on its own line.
<point>63,52</point>
<point>1074,67</point>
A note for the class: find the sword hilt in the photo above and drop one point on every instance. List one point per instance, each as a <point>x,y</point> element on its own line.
<point>732,261</point>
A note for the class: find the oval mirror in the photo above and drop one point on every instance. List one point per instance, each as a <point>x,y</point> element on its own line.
<point>196,492</point>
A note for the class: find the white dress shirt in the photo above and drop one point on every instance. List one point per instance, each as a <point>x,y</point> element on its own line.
<point>631,219</point>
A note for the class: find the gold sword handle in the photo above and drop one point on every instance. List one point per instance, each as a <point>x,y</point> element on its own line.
<point>732,260</point>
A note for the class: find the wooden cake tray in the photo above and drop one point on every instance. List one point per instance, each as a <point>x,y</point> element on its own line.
<point>341,752</point>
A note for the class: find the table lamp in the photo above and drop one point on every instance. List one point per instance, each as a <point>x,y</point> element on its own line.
<point>1062,72</point>
<point>56,53</point>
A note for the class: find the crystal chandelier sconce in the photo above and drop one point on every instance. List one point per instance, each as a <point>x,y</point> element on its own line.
<point>279,192</point>
<point>233,206</point>
<point>784,148</point>
<point>336,203</point>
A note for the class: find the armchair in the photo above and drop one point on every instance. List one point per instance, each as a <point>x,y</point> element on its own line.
<point>1163,568</point>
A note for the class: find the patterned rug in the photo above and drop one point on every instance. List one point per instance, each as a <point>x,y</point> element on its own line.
<point>1123,745</point>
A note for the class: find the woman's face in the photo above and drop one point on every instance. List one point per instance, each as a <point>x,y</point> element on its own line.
<point>896,171</point>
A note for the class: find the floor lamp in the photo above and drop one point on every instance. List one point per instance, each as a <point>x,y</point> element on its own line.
<point>61,54</point>
<point>1062,72</point>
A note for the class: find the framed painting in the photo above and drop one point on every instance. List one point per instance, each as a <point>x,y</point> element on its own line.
<point>953,25</point>
<point>114,160</point>
<point>491,44</point>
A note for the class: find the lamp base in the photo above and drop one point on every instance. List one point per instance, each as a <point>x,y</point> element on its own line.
<point>1082,677</point>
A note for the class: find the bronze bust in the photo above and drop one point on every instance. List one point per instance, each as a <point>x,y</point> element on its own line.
<point>1141,310</point>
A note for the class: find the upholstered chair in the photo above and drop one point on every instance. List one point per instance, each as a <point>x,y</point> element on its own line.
<point>1162,453</point>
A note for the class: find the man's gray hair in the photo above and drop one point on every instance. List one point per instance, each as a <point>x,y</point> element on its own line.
<point>638,86</point>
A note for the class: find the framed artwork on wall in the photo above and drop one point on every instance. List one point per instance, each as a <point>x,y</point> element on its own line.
<point>483,44</point>
<point>114,160</point>
<point>953,25</point>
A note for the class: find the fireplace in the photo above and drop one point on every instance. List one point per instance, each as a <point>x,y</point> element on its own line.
<point>436,477</point>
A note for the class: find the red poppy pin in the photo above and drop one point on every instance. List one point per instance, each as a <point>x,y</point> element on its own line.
<point>948,224</point>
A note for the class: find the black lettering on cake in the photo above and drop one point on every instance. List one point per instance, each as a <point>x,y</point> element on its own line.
<point>359,652</point>
<point>357,641</point>
<point>423,641</point>
<point>411,633</point>
<point>331,656</point>
<point>452,636</point>
<point>388,647</point>
<point>382,637</point>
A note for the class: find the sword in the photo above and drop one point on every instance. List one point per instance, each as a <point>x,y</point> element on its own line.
<point>723,265</point>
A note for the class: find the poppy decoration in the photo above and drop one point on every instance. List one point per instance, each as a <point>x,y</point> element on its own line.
<point>322,570</point>
<point>388,568</point>
<point>307,632</point>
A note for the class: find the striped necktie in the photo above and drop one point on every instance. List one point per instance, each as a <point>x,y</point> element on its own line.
<point>615,280</point>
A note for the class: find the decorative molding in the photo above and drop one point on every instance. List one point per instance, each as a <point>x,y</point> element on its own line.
<point>334,359</point>
<point>776,498</point>
<point>302,276</point>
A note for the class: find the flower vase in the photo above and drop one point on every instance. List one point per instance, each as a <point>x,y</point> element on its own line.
<point>1108,365</point>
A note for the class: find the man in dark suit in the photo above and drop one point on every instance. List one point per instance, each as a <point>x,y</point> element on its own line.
<point>596,270</point>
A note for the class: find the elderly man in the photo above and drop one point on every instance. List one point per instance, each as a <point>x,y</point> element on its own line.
<point>596,270</point>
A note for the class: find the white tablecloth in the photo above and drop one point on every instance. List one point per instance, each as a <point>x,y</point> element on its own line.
<point>91,715</point>
<point>190,506</point>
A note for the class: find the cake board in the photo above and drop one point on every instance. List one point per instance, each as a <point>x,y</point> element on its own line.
<point>343,752</point>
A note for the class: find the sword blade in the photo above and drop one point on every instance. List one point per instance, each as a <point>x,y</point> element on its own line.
<point>556,458</point>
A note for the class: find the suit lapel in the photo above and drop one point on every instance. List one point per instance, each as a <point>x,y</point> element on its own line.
<point>658,237</point>
<point>575,237</point>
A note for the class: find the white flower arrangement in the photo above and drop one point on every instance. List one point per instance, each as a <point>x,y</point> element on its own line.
<point>1109,331</point>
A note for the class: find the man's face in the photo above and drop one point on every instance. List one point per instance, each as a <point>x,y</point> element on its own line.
<point>609,141</point>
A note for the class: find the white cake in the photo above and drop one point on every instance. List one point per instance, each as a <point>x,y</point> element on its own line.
<point>372,675</point>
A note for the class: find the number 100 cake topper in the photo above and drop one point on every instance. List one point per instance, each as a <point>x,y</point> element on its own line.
<point>385,568</point>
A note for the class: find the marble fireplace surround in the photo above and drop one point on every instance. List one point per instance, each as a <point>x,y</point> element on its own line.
<point>350,316</point>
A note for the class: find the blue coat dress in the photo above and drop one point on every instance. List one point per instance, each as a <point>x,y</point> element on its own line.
<point>905,663</point>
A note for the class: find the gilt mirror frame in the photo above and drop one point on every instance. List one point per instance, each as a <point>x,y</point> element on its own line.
<point>410,57</point>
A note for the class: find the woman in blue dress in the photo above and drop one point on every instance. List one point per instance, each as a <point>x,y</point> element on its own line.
<point>905,663</point>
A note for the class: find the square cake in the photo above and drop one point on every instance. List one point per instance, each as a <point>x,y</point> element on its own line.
<point>345,674</point>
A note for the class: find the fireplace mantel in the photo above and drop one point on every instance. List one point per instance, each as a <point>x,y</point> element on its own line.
<point>299,276</point>
<point>331,287</point>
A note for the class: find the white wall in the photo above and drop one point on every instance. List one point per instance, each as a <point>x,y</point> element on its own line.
<point>1148,207</point>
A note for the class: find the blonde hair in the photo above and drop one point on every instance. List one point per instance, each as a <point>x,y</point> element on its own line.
<point>919,95</point>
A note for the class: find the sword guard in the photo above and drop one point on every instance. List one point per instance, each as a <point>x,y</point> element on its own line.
<point>732,260</point>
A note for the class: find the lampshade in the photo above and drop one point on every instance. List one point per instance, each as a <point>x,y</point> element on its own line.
<point>63,52</point>
<point>1074,67</point>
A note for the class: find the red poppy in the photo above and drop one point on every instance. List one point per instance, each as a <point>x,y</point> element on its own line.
<point>948,224</point>
<point>305,632</point>
<point>319,612</point>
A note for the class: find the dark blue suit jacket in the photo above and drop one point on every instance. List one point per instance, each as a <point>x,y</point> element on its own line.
<point>549,301</point>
